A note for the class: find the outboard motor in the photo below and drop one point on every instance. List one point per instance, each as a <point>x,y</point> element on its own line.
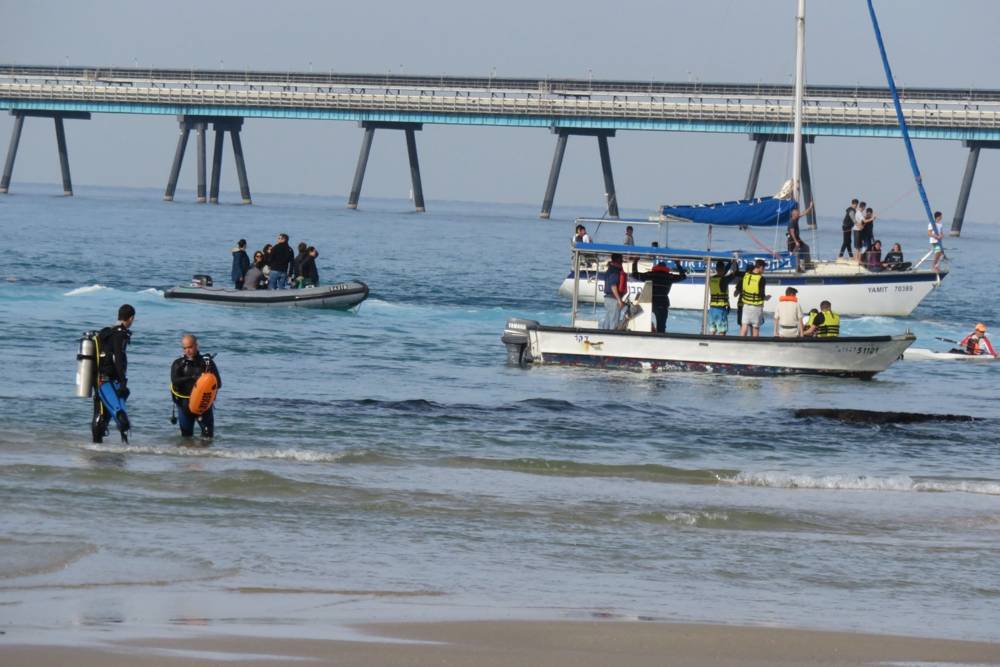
<point>515,337</point>
<point>201,280</point>
<point>86,365</point>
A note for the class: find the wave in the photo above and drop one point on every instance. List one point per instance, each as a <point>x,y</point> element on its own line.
<point>300,455</point>
<point>538,466</point>
<point>25,559</point>
<point>901,483</point>
<point>730,519</point>
<point>89,289</point>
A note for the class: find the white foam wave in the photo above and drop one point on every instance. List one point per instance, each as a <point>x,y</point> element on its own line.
<point>89,289</point>
<point>902,483</point>
<point>152,290</point>
<point>300,455</point>
<point>693,518</point>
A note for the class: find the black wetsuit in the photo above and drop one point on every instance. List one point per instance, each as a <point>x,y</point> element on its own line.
<point>662,279</point>
<point>184,373</point>
<point>112,367</point>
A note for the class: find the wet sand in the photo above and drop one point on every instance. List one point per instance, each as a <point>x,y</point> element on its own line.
<point>516,643</point>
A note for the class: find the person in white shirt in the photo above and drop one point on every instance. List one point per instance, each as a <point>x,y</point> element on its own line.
<point>788,315</point>
<point>858,230</point>
<point>935,237</point>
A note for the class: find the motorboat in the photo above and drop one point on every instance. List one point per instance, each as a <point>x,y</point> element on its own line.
<point>339,296</point>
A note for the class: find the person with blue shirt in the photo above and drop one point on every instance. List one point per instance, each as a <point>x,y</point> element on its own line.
<point>615,290</point>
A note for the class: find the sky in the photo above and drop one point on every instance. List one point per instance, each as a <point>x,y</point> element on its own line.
<point>930,43</point>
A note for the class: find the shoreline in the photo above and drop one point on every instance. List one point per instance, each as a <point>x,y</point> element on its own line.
<point>507,643</point>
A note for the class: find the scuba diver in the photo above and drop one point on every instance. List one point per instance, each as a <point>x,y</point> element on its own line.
<point>184,375</point>
<point>111,384</point>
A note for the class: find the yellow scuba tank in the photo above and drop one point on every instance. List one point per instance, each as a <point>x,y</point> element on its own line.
<point>86,365</point>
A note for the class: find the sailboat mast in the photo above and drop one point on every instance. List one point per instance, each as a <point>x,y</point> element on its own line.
<point>800,66</point>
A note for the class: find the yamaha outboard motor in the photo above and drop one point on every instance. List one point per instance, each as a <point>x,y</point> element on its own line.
<point>86,365</point>
<point>515,337</point>
<point>201,280</point>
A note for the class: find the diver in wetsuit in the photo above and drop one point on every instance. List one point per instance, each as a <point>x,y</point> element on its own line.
<point>184,372</point>
<point>111,385</point>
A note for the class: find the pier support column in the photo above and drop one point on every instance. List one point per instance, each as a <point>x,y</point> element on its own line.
<point>807,189</point>
<point>409,129</point>
<point>562,134</point>
<point>213,184</point>
<point>15,140</point>
<point>758,159</point>
<point>609,179</point>
<point>970,173</point>
<point>222,124</point>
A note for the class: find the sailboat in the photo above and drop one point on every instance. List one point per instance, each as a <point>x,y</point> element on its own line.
<point>632,345</point>
<point>853,289</point>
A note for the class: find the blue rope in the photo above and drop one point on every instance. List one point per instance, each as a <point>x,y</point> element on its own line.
<point>902,121</point>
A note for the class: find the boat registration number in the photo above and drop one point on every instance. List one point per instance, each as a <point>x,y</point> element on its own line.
<point>866,350</point>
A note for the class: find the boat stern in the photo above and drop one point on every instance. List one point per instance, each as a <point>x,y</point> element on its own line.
<point>516,337</point>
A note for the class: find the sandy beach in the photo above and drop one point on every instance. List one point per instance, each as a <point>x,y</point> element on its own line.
<point>510,643</point>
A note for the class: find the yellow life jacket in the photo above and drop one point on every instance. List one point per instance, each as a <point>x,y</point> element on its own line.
<point>752,293</point>
<point>830,327</point>
<point>720,296</point>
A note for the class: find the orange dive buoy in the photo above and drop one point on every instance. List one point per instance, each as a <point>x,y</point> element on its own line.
<point>203,394</point>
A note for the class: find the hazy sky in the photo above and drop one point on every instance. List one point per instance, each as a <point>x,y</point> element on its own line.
<point>930,43</point>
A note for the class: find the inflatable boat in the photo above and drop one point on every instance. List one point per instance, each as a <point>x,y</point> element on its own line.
<point>340,296</point>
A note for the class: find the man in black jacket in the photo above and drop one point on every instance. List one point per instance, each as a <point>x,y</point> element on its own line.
<point>111,382</point>
<point>281,263</point>
<point>662,279</point>
<point>184,372</point>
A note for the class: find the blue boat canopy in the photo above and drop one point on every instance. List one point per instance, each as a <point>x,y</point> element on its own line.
<point>762,212</point>
<point>652,251</point>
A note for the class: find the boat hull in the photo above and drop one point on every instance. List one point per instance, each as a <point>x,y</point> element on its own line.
<point>889,293</point>
<point>341,296</point>
<point>923,354</point>
<point>858,356</point>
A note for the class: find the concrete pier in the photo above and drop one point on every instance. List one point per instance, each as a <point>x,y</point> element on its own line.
<point>970,173</point>
<point>15,140</point>
<point>213,184</point>
<point>200,124</point>
<point>416,185</point>
<point>562,135</point>
<point>758,159</point>
<point>200,140</point>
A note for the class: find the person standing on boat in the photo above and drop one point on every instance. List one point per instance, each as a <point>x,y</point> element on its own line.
<point>976,343</point>
<point>718,306</point>
<point>281,263</point>
<point>935,239</point>
<point>858,230</point>
<point>795,243</point>
<point>788,315</point>
<point>111,384</point>
<point>184,372</point>
<point>826,324</point>
<point>241,263</point>
<point>868,232</point>
<point>662,279</point>
<point>752,296</point>
<point>615,290</point>
<point>846,226</point>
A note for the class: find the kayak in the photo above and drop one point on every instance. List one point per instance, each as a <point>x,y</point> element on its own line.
<point>923,354</point>
<point>341,296</point>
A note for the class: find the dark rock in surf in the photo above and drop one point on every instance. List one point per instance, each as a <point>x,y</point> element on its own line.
<point>879,417</point>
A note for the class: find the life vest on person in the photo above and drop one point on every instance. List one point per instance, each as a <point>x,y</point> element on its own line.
<point>615,275</point>
<point>752,293</point>
<point>720,295</point>
<point>971,345</point>
<point>831,325</point>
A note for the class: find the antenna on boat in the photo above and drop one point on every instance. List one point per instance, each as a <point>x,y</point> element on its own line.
<point>800,58</point>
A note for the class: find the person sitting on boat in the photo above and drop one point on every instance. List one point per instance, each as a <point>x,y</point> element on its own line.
<point>629,238</point>
<point>976,343</point>
<point>718,306</point>
<point>615,290</point>
<point>752,296</point>
<point>893,260</point>
<point>788,315</point>
<point>254,278</point>
<point>935,237</point>
<point>873,257</point>
<point>184,373</point>
<point>581,235</point>
<point>662,279</point>
<point>825,324</point>
<point>795,243</point>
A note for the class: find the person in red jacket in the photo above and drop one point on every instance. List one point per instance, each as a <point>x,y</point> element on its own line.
<point>976,342</point>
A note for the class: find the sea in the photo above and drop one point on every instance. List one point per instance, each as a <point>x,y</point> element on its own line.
<point>386,464</point>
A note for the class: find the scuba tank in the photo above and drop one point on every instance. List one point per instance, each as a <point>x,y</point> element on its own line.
<point>86,365</point>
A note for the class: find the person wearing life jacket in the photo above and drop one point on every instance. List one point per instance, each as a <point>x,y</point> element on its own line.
<point>184,373</point>
<point>718,306</point>
<point>111,380</point>
<point>753,296</point>
<point>976,343</point>
<point>662,279</point>
<point>788,315</point>
<point>825,324</point>
<point>615,291</point>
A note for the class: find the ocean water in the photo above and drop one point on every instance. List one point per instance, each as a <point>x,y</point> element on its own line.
<point>387,464</point>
